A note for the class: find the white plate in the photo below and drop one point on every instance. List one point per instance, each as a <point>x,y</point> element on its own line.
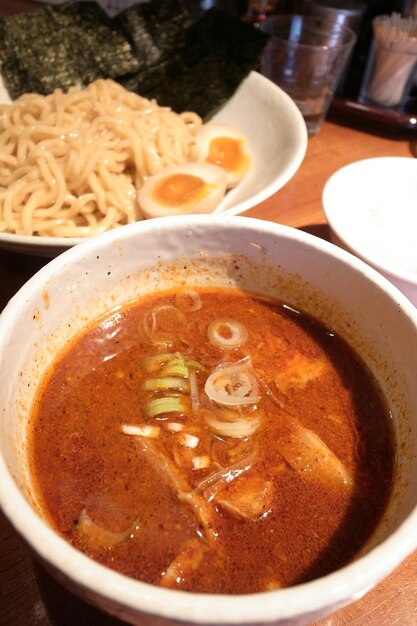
<point>278,136</point>
<point>371,208</point>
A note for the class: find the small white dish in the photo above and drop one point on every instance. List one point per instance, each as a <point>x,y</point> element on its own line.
<point>371,208</point>
<point>278,136</point>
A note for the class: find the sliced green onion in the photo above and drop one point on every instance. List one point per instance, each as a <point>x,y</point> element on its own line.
<point>174,368</point>
<point>227,333</point>
<point>240,428</point>
<point>174,427</point>
<point>193,364</point>
<point>171,364</point>
<point>188,300</point>
<point>170,404</point>
<point>201,462</point>
<point>164,383</point>
<point>150,320</point>
<point>233,384</point>
<point>146,430</point>
<point>188,440</point>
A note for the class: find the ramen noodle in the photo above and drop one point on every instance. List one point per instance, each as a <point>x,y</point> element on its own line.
<point>71,163</point>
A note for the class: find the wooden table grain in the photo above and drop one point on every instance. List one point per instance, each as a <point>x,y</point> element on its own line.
<point>28,595</point>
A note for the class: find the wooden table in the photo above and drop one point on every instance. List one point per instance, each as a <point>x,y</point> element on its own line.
<point>28,595</point>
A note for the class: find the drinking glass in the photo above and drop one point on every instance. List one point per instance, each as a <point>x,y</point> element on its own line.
<point>307,59</point>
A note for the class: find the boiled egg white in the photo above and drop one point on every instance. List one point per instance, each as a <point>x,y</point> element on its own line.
<point>182,189</point>
<point>226,147</point>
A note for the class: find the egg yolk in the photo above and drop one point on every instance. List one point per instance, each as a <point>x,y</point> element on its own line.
<point>180,189</point>
<point>227,152</point>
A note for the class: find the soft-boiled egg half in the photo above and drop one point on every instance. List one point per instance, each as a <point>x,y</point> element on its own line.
<point>224,146</point>
<point>182,189</point>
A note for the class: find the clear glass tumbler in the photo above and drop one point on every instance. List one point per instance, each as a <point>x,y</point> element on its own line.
<point>307,60</point>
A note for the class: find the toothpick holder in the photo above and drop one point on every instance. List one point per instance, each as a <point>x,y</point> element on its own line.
<point>389,76</point>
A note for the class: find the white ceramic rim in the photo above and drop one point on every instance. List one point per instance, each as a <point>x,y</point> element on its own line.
<point>330,211</point>
<point>346,584</point>
<point>300,141</point>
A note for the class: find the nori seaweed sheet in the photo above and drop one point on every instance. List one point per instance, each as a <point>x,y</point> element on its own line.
<point>101,37</point>
<point>61,46</point>
<point>155,29</point>
<point>16,78</point>
<point>219,52</point>
<point>151,48</point>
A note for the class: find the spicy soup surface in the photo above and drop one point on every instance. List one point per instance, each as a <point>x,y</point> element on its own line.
<point>212,440</point>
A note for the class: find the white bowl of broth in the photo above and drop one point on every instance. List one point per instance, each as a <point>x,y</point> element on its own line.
<point>218,372</point>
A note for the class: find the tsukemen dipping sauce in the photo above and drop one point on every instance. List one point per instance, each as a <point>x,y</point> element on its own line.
<point>212,440</point>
